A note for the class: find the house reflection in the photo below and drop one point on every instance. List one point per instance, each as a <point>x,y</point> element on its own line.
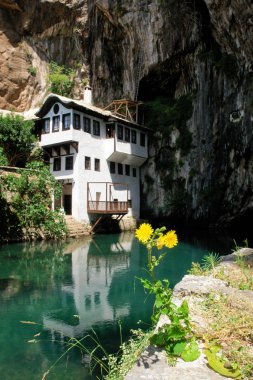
<point>95,263</point>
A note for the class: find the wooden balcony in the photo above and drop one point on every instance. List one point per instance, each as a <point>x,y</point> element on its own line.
<point>107,198</point>
<point>106,207</point>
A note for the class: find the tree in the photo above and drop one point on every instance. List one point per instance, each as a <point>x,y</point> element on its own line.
<point>16,139</point>
<point>61,79</point>
<point>29,195</point>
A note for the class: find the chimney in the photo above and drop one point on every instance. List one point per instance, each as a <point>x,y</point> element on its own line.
<point>87,95</point>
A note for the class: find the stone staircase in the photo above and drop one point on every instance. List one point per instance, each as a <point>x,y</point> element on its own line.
<point>75,228</point>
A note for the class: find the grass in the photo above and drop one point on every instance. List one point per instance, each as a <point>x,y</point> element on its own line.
<point>228,318</point>
<point>230,326</point>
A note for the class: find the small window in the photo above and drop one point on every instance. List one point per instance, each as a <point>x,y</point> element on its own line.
<point>120,132</point>
<point>77,123</point>
<point>87,163</point>
<point>127,170</point>
<point>56,109</point>
<point>56,123</point>
<point>66,121</point>
<point>96,128</point>
<point>86,125</point>
<point>133,136</point>
<point>57,164</point>
<point>143,139</point>
<point>69,163</point>
<point>127,134</point>
<point>46,126</point>
<point>120,169</point>
<point>97,165</point>
<point>109,131</point>
<point>134,172</point>
<point>112,167</point>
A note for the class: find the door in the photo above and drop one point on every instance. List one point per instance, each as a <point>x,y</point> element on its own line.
<point>67,204</point>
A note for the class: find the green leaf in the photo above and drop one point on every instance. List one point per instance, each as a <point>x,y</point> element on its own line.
<point>218,365</point>
<point>179,348</point>
<point>191,352</point>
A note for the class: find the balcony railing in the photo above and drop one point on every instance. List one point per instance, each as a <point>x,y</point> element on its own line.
<point>103,207</point>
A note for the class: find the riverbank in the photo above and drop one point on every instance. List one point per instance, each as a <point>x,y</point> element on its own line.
<point>222,317</point>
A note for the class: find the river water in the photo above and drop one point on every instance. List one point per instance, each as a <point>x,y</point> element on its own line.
<point>51,292</point>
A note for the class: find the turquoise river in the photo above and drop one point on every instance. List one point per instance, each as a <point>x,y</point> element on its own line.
<point>70,290</point>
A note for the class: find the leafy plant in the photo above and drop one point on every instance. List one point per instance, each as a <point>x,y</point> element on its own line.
<point>16,139</point>
<point>61,79</point>
<point>176,336</point>
<point>32,71</point>
<point>211,261</point>
<point>29,193</point>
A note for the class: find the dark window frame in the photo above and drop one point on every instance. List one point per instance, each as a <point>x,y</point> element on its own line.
<point>127,134</point>
<point>53,126</point>
<point>120,131</point>
<point>120,169</point>
<point>44,130</point>
<point>134,172</point>
<point>86,124</point>
<point>57,164</point>
<point>87,163</point>
<point>127,170</point>
<point>96,128</point>
<point>133,136</point>
<point>97,165</point>
<point>69,163</point>
<point>76,125</point>
<point>112,167</point>
<point>64,118</point>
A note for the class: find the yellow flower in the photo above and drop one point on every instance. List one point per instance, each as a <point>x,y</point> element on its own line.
<point>170,239</point>
<point>160,242</point>
<point>144,232</point>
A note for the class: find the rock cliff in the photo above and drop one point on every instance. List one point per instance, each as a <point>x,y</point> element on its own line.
<point>189,61</point>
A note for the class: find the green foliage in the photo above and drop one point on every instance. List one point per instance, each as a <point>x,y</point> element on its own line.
<point>219,364</point>
<point>16,139</point>
<point>176,336</point>
<point>31,193</point>
<point>32,71</point>
<point>61,79</point>
<point>209,263</point>
<point>3,159</point>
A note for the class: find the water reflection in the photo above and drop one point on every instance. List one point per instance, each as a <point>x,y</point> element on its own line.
<point>98,289</point>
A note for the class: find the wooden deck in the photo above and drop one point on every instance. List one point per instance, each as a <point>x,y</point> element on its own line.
<point>107,207</point>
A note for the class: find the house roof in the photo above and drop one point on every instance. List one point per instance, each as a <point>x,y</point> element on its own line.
<point>79,105</point>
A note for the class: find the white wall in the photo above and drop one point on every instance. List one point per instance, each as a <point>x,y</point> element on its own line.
<point>95,147</point>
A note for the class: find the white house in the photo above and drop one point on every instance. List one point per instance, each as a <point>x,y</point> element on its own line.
<point>96,154</point>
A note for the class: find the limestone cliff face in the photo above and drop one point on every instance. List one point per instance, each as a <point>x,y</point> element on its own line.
<point>201,167</point>
<point>32,34</point>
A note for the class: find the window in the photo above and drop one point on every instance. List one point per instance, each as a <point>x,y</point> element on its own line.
<point>76,124</point>
<point>87,163</point>
<point>46,126</point>
<point>133,135</point>
<point>96,128</point>
<point>120,169</point>
<point>127,170</point>
<point>134,172</point>
<point>69,163</point>
<point>57,164</point>
<point>109,131</point>
<point>127,134</point>
<point>56,123</point>
<point>112,167</point>
<point>66,121</point>
<point>143,139</point>
<point>56,109</point>
<point>120,132</point>
<point>97,165</point>
<point>86,124</point>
